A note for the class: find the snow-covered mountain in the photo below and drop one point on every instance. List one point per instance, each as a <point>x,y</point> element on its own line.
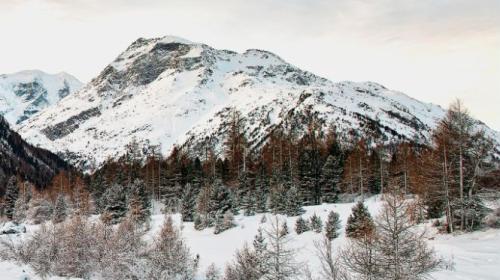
<point>25,93</point>
<point>172,91</point>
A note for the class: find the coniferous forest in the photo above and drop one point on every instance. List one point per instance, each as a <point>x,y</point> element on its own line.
<point>94,225</point>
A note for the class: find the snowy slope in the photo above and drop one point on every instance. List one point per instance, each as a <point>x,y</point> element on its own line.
<point>172,91</point>
<point>475,255</point>
<point>25,93</point>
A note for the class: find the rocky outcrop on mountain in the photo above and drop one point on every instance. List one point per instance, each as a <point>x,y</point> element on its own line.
<point>172,91</point>
<point>25,93</point>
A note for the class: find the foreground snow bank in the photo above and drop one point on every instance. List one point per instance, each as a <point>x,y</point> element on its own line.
<point>474,256</point>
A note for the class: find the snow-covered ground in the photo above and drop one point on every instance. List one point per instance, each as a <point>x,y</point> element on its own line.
<point>474,255</point>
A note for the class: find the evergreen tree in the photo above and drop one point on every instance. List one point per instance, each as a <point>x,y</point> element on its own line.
<point>188,203</point>
<point>307,178</point>
<point>261,195</point>
<point>221,199</point>
<point>97,187</point>
<point>316,223</point>
<point>301,225</point>
<point>249,203</point>
<point>332,226</point>
<point>360,222</point>
<point>214,200</point>
<point>11,195</point>
<point>114,201</point>
<point>331,175</point>
<point>293,203</point>
<point>278,199</point>
<point>310,162</point>
<point>60,209</point>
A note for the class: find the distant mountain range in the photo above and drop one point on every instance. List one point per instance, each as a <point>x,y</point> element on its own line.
<point>172,91</point>
<point>26,93</point>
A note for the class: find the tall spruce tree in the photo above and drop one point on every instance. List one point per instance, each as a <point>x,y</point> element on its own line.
<point>188,203</point>
<point>221,199</point>
<point>114,201</point>
<point>11,195</point>
<point>293,203</point>
<point>307,179</point>
<point>331,176</point>
<point>261,194</point>
<point>278,199</point>
<point>60,209</point>
<point>250,204</point>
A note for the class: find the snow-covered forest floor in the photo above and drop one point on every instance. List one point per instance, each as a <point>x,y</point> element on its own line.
<point>469,256</point>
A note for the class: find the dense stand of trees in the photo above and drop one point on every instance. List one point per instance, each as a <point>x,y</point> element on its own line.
<point>289,171</point>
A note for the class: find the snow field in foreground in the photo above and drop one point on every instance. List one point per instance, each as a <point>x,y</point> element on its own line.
<point>475,255</point>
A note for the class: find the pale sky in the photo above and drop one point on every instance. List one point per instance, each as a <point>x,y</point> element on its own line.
<point>433,50</point>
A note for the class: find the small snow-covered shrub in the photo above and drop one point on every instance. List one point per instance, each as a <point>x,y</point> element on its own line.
<point>492,220</point>
<point>316,223</point>
<point>212,273</point>
<point>224,222</point>
<point>263,220</point>
<point>301,225</point>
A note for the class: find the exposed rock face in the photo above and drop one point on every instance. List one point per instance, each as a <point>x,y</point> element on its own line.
<point>172,91</point>
<point>24,94</point>
<point>64,128</point>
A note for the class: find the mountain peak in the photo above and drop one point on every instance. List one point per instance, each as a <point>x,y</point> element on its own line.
<point>169,91</point>
<point>24,93</point>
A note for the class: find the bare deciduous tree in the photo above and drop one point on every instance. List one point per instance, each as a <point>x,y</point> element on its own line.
<point>331,267</point>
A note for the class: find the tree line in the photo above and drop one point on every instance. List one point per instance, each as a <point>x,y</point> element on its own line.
<point>289,171</point>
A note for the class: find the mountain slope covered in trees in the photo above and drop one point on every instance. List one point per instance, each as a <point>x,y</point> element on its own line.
<point>18,158</point>
<point>172,91</point>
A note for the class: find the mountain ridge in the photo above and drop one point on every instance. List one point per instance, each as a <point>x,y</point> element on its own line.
<point>171,91</point>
